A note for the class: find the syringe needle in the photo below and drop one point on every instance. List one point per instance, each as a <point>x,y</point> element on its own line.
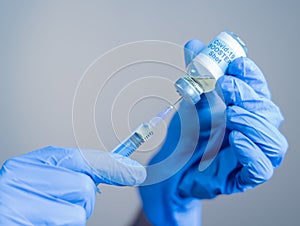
<point>177,101</point>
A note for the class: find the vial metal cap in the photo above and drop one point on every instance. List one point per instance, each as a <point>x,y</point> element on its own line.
<point>187,90</point>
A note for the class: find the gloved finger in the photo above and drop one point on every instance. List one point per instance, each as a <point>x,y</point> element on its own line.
<point>246,70</point>
<point>115,169</point>
<point>191,49</point>
<point>261,132</point>
<point>102,167</point>
<point>256,167</point>
<point>237,92</point>
<point>49,184</point>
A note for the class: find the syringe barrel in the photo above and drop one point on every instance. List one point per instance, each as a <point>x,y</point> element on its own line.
<point>142,133</point>
<point>135,140</point>
<point>128,146</point>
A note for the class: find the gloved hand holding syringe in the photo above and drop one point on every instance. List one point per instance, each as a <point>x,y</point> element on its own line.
<point>143,132</point>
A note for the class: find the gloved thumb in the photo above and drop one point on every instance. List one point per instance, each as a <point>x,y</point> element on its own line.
<point>115,169</point>
<point>191,49</point>
<point>101,166</point>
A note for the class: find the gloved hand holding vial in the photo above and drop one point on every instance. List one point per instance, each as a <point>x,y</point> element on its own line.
<point>237,143</point>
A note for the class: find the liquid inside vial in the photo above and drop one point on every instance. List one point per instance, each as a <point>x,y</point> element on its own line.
<point>207,83</point>
<point>200,77</point>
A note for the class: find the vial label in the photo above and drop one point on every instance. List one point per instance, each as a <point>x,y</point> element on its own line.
<point>220,53</point>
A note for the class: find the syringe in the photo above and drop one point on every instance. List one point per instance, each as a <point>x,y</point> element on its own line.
<point>142,133</point>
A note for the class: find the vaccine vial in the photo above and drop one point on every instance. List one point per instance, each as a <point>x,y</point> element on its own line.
<point>211,63</point>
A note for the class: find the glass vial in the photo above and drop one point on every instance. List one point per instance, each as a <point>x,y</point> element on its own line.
<point>209,65</point>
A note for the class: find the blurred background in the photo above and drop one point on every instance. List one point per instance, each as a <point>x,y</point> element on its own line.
<point>52,93</point>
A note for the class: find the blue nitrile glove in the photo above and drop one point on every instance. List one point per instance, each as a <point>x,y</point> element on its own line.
<point>57,186</point>
<point>237,147</point>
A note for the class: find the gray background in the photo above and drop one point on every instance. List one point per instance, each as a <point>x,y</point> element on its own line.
<point>45,47</point>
